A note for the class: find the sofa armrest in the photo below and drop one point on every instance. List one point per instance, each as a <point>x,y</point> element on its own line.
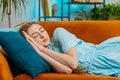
<point>5,73</point>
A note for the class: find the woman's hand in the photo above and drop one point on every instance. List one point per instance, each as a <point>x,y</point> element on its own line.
<point>28,38</point>
<point>31,41</point>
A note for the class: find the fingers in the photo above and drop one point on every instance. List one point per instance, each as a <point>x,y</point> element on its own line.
<point>29,38</point>
<point>24,33</point>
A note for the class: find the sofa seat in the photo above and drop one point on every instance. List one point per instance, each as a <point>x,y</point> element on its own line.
<point>56,76</point>
<point>22,77</point>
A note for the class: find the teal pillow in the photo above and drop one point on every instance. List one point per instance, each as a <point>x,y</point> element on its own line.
<point>22,54</point>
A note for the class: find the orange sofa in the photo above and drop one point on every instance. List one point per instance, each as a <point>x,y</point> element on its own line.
<point>90,31</point>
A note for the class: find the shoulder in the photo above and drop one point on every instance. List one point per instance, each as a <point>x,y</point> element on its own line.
<point>59,30</point>
<point>60,33</point>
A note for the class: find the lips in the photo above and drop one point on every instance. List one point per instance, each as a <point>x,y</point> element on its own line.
<point>45,40</point>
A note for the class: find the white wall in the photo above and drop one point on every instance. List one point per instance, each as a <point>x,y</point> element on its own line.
<point>110,1</point>
<point>24,17</point>
<point>14,20</point>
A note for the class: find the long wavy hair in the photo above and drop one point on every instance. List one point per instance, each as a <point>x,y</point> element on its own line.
<point>26,26</point>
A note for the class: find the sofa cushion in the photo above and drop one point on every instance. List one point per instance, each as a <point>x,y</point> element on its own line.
<point>5,72</point>
<point>22,54</point>
<point>22,77</point>
<point>56,76</point>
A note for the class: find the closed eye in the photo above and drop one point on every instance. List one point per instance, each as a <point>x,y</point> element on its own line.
<point>35,35</point>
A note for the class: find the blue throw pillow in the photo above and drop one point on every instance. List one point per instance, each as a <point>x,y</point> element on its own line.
<point>22,54</point>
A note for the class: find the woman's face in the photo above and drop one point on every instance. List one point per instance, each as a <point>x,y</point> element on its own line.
<point>39,34</point>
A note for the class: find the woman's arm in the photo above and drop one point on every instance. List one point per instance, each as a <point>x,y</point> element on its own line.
<point>57,66</point>
<point>69,59</point>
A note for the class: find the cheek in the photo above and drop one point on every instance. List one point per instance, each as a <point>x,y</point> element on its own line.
<point>47,35</point>
<point>38,40</point>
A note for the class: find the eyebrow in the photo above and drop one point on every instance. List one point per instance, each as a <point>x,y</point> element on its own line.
<point>40,28</point>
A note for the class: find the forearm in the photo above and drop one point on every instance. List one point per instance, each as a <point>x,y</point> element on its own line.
<point>58,67</point>
<point>69,59</point>
<point>65,59</point>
